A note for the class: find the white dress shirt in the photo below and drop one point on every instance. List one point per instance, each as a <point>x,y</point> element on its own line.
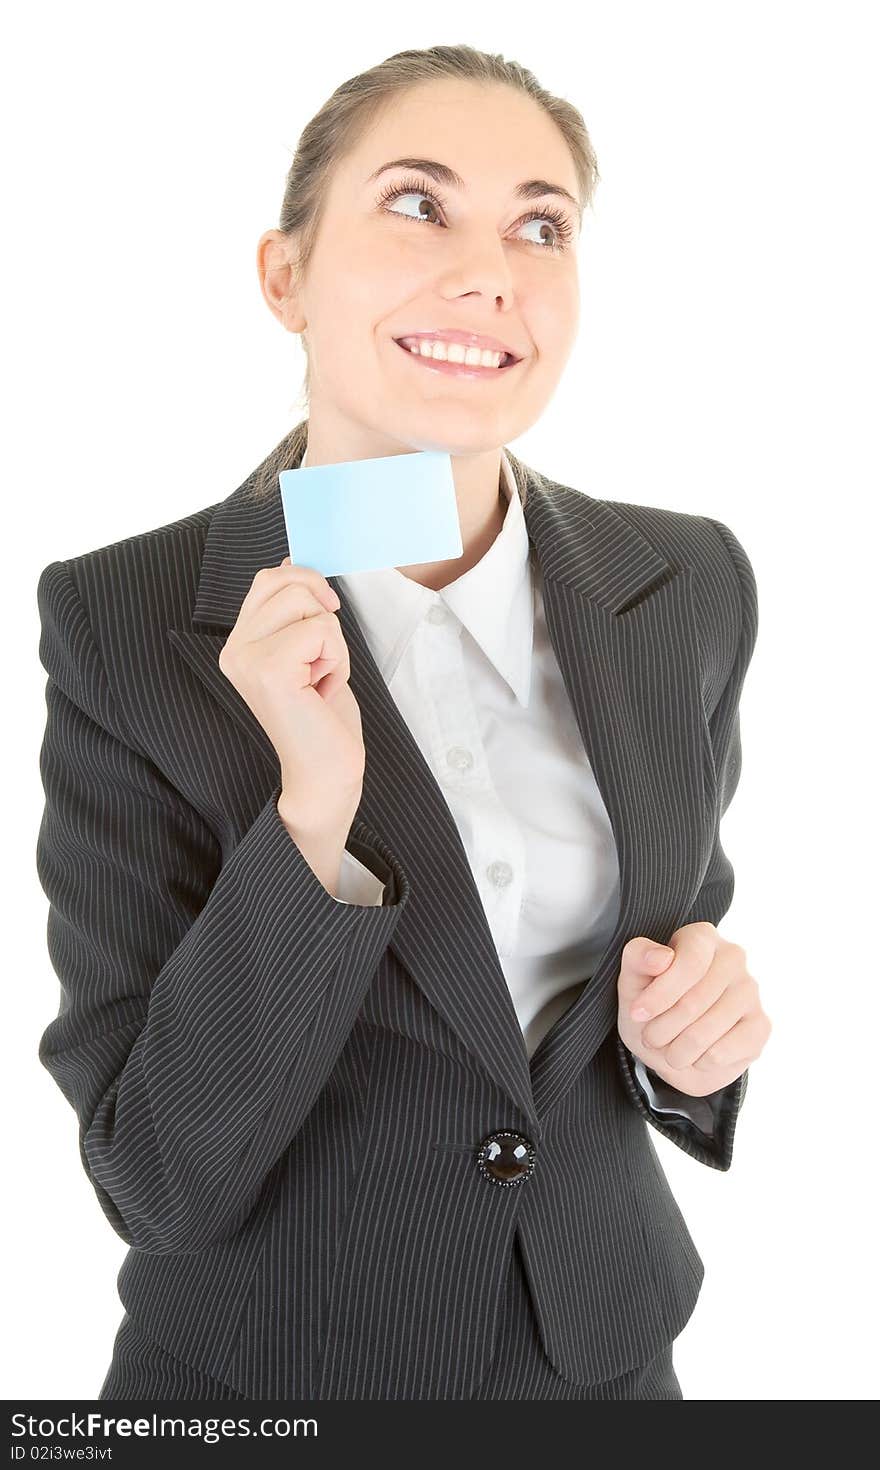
<point>474,674</point>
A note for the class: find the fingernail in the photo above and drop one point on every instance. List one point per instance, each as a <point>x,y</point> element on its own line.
<point>662,953</point>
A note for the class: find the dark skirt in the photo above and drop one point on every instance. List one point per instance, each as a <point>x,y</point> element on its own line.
<point>520,1368</point>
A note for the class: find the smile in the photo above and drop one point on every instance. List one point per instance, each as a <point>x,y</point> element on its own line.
<point>456,369</point>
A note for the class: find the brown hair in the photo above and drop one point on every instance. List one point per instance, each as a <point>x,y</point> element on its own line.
<point>353,107</point>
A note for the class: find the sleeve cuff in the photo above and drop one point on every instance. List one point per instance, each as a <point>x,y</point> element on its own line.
<point>665,1099</point>
<point>357,884</point>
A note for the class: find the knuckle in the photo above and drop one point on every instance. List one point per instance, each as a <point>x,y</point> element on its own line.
<point>690,1006</point>
<point>302,599</point>
<point>269,658</point>
<point>261,670</point>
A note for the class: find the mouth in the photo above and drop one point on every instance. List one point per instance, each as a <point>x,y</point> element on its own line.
<point>456,369</point>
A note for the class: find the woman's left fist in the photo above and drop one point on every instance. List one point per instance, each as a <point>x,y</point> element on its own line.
<point>692,1013</point>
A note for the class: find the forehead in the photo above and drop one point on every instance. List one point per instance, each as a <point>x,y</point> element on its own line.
<point>491,135</point>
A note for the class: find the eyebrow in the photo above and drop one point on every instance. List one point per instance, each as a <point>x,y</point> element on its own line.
<point>531,189</point>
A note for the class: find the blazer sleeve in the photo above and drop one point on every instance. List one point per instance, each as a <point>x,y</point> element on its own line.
<point>204,1001</point>
<point>708,1134</point>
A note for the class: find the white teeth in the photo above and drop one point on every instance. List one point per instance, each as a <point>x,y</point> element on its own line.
<point>454,352</point>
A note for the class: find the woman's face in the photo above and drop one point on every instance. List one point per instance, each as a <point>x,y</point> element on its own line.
<point>438,256</point>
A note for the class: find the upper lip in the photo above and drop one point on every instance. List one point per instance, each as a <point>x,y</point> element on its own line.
<point>467,339</point>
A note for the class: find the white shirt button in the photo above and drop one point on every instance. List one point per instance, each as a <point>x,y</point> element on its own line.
<point>500,874</point>
<point>437,614</point>
<point>459,758</point>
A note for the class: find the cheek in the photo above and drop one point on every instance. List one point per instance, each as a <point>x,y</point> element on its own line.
<point>554,341</point>
<point>565,323</point>
<point>371,303</point>
<point>378,272</point>
<point>554,316</point>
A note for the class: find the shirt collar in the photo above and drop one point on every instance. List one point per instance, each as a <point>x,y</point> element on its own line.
<point>493,600</point>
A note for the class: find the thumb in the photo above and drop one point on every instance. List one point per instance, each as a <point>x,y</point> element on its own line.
<point>641,961</point>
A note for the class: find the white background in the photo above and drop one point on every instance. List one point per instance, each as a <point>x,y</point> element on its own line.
<point>726,365</point>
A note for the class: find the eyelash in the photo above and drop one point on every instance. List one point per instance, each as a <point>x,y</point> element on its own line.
<point>418,186</point>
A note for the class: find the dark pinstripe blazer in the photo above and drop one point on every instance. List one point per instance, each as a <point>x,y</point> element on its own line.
<point>280,1097</point>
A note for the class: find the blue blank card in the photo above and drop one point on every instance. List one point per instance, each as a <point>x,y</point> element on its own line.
<point>369,513</point>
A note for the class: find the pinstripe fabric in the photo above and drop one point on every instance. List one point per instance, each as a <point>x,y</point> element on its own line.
<point>520,1369</point>
<point>280,1097</point>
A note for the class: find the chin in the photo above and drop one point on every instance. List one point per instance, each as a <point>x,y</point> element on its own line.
<point>454,433</point>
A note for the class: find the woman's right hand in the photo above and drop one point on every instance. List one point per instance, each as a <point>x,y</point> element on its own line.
<point>288,660</point>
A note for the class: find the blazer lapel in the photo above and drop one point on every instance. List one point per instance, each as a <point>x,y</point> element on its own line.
<point>621,620</point>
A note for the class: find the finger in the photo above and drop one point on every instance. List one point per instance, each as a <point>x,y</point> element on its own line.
<point>737,1047</point>
<point>317,645</point>
<point>328,682</point>
<point>694,952</point>
<point>696,1002</point>
<point>705,1037</point>
<point>329,596</point>
<point>641,960</point>
<point>268,580</point>
<point>289,604</point>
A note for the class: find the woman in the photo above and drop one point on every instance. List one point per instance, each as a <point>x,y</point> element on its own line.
<point>356,884</point>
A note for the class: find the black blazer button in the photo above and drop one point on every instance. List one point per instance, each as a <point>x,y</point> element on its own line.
<point>506,1158</point>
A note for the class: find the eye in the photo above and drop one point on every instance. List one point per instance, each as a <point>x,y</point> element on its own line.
<point>407,191</point>
<point>560,225</point>
<point>417,189</point>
